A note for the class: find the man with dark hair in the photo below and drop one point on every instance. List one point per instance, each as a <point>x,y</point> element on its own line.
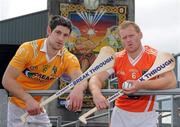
<point>35,66</point>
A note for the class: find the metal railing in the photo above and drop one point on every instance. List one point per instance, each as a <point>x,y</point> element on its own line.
<point>175,109</point>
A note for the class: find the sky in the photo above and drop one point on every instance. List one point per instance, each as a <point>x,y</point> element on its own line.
<point>160,23</point>
<point>159,20</point>
<point>13,8</point>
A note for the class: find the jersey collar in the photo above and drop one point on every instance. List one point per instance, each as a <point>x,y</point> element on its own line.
<point>134,61</point>
<point>44,49</point>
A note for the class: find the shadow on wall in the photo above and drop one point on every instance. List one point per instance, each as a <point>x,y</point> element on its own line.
<point>6,53</point>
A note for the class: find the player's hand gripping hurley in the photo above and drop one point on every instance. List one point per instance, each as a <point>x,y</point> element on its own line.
<point>164,62</point>
<point>104,61</point>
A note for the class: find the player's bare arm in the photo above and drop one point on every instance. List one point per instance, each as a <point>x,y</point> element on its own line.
<point>164,81</point>
<point>95,85</point>
<point>10,83</point>
<point>75,100</point>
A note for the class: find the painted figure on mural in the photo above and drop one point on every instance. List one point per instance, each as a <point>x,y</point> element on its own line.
<point>112,38</point>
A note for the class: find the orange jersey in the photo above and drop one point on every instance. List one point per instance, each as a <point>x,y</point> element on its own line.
<point>127,70</point>
<point>37,72</point>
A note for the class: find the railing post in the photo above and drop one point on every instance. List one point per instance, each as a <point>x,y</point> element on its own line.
<point>175,112</point>
<point>3,107</point>
<point>160,116</point>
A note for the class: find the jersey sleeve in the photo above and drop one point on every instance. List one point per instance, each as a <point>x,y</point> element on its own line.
<point>72,64</point>
<point>23,56</point>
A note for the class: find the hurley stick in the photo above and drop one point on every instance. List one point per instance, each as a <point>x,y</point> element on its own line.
<point>104,61</point>
<point>164,62</point>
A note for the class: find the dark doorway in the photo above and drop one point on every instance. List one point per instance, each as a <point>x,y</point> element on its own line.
<point>6,53</point>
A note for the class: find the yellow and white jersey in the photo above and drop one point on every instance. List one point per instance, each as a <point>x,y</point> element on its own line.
<point>38,71</point>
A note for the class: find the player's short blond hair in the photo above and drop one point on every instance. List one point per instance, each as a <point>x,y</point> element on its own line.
<point>126,23</point>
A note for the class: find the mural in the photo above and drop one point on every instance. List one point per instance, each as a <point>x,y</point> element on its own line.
<point>91,31</point>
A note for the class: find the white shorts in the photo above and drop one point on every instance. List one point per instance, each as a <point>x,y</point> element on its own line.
<point>122,118</point>
<point>14,114</point>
